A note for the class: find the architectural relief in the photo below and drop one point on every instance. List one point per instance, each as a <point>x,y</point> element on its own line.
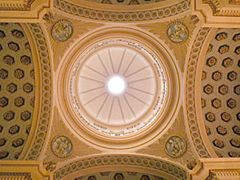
<point>62,146</point>
<point>62,30</point>
<point>130,161</point>
<point>118,16</point>
<point>177,32</point>
<point>220,92</point>
<point>120,89</point>
<point>175,146</point>
<point>17,90</point>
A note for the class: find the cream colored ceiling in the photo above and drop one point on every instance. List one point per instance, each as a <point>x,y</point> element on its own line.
<point>17,93</point>
<point>201,56</point>
<point>125,2</point>
<point>220,92</point>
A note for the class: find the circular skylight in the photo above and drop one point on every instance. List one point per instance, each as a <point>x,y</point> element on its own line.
<point>117,87</point>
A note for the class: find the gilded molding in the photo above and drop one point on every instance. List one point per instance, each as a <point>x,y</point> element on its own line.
<point>190,108</point>
<point>15,175</point>
<point>221,9</point>
<point>214,4</point>
<point>46,92</point>
<point>124,16</point>
<point>22,5</point>
<point>122,160</point>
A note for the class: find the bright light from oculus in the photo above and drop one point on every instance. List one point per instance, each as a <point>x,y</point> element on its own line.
<point>116,85</point>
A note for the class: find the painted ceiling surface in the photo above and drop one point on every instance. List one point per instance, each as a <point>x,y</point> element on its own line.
<point>178,116</point>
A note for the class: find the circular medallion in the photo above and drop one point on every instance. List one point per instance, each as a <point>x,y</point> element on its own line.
<point>175,146</point>
<point>62,30</point>
<point>177,32</point>
<point>117,87</point>
<point>61,146</point>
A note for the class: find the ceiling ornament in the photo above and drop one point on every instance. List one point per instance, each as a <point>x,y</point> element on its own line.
<point>175,146</point>
<point>220,91</point>
<point>177,32</point>
<point>190,107</point>
<point>46,92</point>
<point>17,91</point>
<point>118,15</point>
<point>119,175</point>
<point>116,115</point>
<point>61,146</point>
<point>117,86</point>
<point>162,167</point>
<point>62,30</point>
<point>18,5</point>
<point>125,2</point>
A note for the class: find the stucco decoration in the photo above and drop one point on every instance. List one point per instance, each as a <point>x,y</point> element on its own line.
<point>177,32</point>
<point>17,90</point>
<point>142,76</point>
<point>45,91</point>
<point>125,2</point>
<point>131,161</point>
<point>175,146</point>
<point>190,81</point>
<point>118,121</point>
<point>62,30</point>
<point>119,175</point>
<point>220,92</point>
<point>61,146</point>
<point>118,15</point>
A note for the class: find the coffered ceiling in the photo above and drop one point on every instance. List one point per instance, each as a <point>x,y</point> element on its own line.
<point>177,117</point>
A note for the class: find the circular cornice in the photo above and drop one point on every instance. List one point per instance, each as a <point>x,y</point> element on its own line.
<point>119,13</point>
<point>153,123</point>
<point>121,162</point>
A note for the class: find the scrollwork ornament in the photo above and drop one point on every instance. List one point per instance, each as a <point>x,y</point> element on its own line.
<point>175,146</point>
<point>62,30</point>
<point>177,32</point>
<point>62,146</point>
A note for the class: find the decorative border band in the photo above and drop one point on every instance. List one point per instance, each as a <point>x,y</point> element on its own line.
<point>190,93</point>
<point>46,91</point>
<point>105,15</point>
<point>117,160</point>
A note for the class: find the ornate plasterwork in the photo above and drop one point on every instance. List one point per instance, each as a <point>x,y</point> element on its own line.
<point>177,32</point>
<point>23,170</point>
<point>62,30</point>
<point>17,90</point>
<point>45,94</point>
<point>138,106</point>
<point>14,10</point>
<point>190,108</point>
<point>118,161</point>
<point>61,146</point>
<point>125,2</point>
<point>16,5</point>
<point>220,92</point>
<point>175,146</point>
<point>121,15</point>
<point>119,175</point>
<point>221,8</point>
<point>135,133</point>
<point>212,12</point>
<point>15,175</point>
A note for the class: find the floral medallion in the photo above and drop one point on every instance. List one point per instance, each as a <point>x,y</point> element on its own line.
<point>62,146</point>
<point>62,30</point>
<point>175,146</point>
<point>177,32</point>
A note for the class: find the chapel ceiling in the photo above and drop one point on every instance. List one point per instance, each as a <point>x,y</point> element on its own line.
<point>187,69</point>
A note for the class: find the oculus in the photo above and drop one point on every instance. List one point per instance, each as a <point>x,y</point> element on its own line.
<point>114,88</point>
<point>118,87</point>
